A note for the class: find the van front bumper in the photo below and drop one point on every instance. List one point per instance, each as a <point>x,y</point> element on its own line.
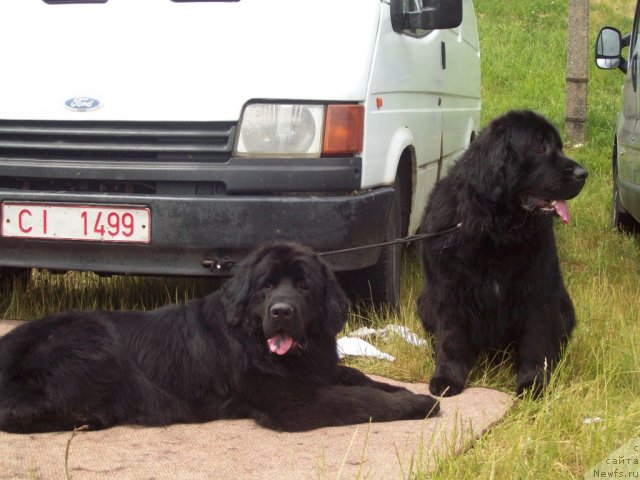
<point>187,230</point>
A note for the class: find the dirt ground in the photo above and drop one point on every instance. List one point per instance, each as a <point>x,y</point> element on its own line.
<point>239,449</point>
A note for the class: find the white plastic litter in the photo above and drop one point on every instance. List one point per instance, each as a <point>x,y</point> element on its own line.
<point>590,420</point>
<point>349,346</point>
<point>364,332</point>
<point>405,333</point>
<point>354,345</point>
<point>384,333</point>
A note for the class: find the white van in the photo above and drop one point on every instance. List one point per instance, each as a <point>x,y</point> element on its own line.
<point>163,136</point>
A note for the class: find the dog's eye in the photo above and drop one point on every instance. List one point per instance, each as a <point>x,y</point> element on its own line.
<point>302,285</point>
<point>542,150</point>
<point>268,285</point>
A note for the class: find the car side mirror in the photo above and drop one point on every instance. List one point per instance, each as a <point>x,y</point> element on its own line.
<point>609,50</point>
<point>426,15</point>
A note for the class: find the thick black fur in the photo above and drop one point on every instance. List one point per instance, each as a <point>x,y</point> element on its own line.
<point>496,283</point>
<point>207,359</point>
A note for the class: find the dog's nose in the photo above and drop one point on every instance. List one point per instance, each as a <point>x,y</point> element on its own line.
<point>580,173</point>
<point>281,311</point>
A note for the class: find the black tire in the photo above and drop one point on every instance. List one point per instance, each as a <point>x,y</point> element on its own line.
<point>15,277</point>
<point>620,218</point>
<point>379,284</point>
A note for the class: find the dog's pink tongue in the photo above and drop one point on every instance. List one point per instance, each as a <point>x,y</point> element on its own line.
<point>280,344</point>
<point>562,210</point>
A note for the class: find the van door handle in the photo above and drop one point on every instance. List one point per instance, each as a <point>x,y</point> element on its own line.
<point>443,55</point>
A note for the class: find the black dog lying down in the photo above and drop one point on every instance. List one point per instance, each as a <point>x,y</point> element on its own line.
<point>263,347</point>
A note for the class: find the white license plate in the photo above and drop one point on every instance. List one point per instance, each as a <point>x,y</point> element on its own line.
<point>98,223</point>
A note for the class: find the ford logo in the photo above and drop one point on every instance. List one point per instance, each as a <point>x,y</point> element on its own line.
<point>82,104</point>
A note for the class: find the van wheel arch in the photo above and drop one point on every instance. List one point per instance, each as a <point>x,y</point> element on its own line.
<point>405,177</point>
<point>379,284</point>
<point>621,220</point>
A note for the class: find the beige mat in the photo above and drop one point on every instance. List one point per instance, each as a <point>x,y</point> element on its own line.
<point>238,449</point>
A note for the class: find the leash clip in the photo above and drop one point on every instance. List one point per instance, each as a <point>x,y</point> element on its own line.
<point>218,265</point>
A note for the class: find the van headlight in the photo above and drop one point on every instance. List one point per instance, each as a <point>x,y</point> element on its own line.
<point>281,130</point>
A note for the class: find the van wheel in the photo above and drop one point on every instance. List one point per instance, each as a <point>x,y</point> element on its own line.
<point>620,218</point>
<point>15,277</point>
<point>379,284</point>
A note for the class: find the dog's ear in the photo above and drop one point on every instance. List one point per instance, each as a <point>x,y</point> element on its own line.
<point>336,303</point>
<point>491,156</point>
<point>237,290</point>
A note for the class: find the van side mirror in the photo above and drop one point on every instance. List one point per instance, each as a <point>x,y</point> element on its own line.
<point>425,14</point>
<point>609,50</point>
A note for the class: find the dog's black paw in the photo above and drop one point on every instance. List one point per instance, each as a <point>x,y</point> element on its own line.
<point>415,406</point>
<point>531,387</point>
<point>431,405</point>
<point>531,382</point>
<point>444,387</point>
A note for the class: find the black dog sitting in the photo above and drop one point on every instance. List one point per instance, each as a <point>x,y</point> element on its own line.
<point>496,282</point>
<point>263,347</point>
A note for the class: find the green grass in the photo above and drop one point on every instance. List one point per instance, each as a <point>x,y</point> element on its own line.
<point>524,63</point>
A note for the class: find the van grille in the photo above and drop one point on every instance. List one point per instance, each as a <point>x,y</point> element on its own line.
<point>136,141</point>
